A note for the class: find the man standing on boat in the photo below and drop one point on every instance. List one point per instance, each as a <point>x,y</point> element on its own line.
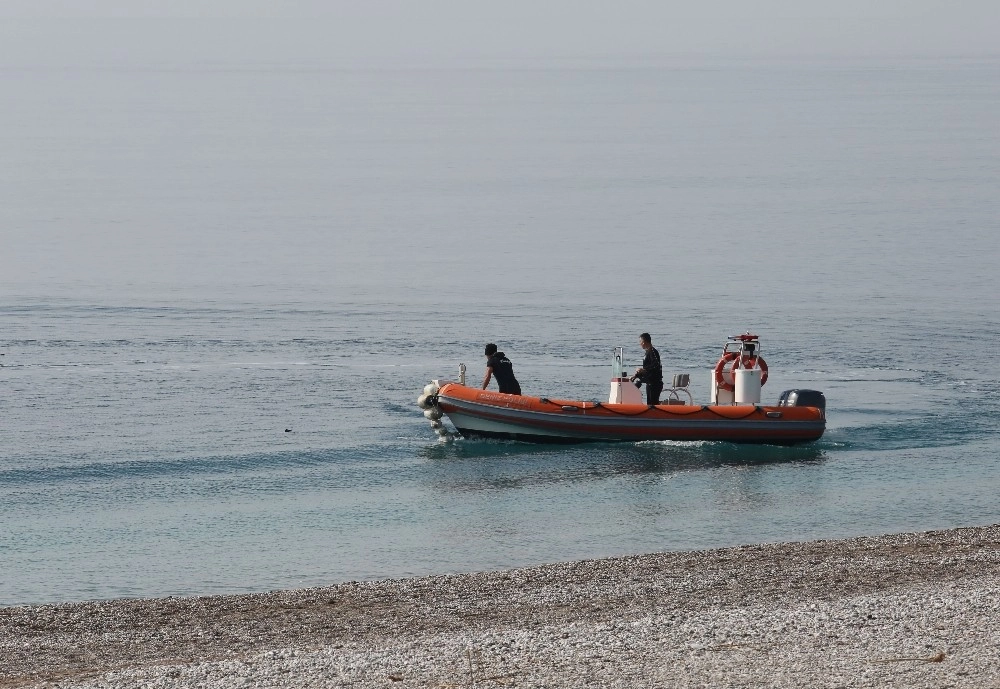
<point>651,371</point>
<point>497,364</point>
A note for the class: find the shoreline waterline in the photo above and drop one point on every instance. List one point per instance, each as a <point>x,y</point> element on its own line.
<point>893,610</point>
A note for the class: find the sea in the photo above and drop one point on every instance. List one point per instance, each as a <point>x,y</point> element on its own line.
<point>224,285</point>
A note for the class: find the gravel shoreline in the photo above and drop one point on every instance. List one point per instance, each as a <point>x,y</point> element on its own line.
<point>905,610</point>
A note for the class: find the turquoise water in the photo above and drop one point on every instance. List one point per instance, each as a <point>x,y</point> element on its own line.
<point>195,260</point>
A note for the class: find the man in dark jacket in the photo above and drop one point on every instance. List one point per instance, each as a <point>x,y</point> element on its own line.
<point>497,364</point>
<point>651,371</point>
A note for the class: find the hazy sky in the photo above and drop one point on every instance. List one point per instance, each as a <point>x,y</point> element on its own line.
<point>56,32</point>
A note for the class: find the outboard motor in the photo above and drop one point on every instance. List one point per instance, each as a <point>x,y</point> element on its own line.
<point>428,401</point>
<point>803,398</point>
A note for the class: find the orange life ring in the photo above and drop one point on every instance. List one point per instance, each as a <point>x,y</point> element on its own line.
<point>751,362</point>
<point>720,379</point>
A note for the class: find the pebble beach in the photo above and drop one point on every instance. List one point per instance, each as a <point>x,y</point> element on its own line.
<point>906,610</point>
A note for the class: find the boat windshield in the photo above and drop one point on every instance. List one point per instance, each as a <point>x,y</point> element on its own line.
<point>618,364</point>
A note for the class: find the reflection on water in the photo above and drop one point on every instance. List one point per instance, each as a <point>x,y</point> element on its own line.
<point>473,465</point>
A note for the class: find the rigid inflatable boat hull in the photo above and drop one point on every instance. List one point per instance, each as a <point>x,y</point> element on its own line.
<point>481,413</point>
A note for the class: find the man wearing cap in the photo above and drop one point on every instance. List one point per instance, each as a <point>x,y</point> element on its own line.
<point>497,364</point>
<point>651,371</point>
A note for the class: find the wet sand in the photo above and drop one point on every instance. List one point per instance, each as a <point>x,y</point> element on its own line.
<point>907,610</point>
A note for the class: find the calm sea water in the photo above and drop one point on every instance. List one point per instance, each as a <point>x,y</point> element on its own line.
<point>223,288</point>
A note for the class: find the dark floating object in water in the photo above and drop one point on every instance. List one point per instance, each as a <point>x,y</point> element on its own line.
<point>288,430</point>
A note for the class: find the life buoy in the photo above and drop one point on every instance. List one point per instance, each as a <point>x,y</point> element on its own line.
<point>750,362</point>
<point>720,378</point>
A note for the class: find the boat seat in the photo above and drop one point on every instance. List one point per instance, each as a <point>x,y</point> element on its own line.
<point>680,385</point>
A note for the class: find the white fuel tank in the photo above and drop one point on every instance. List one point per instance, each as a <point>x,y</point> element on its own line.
<point>747,385</point>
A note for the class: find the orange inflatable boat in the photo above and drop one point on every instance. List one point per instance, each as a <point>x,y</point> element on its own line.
<point>733,414</point>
